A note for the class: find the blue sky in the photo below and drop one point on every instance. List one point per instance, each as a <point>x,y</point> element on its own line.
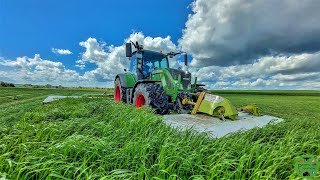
<point>233,44</point>
<point>30,27</point>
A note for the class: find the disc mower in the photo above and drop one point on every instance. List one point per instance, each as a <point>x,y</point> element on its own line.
<point>151,82</point>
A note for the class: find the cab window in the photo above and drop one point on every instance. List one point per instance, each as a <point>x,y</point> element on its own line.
<point>133,64</point>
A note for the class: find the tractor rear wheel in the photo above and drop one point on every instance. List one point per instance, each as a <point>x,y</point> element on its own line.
<point>119,91</point>
<point>153,96</point>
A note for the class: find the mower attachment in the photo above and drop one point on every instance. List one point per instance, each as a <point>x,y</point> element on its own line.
<point>214,105</point>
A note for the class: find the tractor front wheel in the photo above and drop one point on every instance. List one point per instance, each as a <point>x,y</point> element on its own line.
<point>200,89</point>
<point>153,96</point>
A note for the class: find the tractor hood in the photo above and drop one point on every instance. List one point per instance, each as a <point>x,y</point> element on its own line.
<point>185,77</point>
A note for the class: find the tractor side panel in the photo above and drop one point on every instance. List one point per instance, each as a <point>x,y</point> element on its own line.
<point>167,82</point>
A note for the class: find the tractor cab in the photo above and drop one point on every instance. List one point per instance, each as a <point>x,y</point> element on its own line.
<point>149,62</point>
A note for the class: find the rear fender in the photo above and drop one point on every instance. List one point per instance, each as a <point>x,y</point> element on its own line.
<point>127,80</point>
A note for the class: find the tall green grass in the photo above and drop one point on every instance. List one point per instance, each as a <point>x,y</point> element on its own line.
<point>99,139</point>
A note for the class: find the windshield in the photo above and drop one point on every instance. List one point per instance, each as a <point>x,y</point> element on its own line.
<point>152,60</point>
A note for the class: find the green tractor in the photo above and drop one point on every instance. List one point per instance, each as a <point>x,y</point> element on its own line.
<point>151,82</point>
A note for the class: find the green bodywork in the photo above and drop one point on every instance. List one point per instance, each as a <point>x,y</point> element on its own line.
<point>163,75</point>
<point>153,67</point>
<point>165,79</point>
<point>130,79</point>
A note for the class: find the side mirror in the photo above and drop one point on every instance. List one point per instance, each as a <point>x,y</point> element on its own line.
<point>186,59</point>
<point>128,50</point>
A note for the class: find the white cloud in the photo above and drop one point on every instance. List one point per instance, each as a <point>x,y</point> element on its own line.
<point>234,32</point>
<point>38,70</point>
<point>271,72</point>
<point>110,60</point>
<point>315,76</point>
<point>61,51</point>
<point>294,71</point>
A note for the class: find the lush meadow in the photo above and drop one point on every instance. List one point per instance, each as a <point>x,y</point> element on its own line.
<point>95,138</point>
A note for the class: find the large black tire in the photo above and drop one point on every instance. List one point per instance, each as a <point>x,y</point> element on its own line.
<point>153,96</point>
<point>119,92</point>
<point>200,89</point>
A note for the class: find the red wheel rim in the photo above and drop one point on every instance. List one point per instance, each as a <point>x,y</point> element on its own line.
<point>140,100</point>
<point>117,95</point>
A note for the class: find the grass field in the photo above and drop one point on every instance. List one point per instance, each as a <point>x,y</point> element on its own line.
<point>95,138</point>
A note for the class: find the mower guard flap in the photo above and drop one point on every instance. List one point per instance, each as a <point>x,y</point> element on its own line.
<point>215,106</point>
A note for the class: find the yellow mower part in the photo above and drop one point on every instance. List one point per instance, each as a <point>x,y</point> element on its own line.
<point>215,105</point>
<point>185,101</point>
<point>251,109</point>
<point>198,103</point>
